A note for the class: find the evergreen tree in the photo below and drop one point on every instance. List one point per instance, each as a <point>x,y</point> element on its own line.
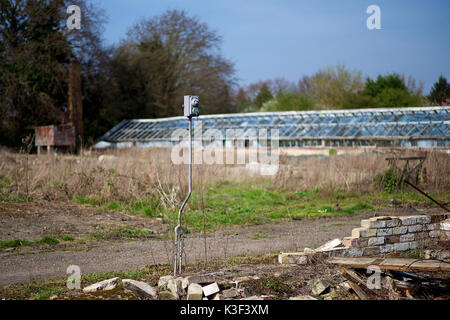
<point>264,95</point>
<point>440,91</point>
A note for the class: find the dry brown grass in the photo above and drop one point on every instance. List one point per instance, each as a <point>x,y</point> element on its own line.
<point>357,172</point>
<point>136,173</point>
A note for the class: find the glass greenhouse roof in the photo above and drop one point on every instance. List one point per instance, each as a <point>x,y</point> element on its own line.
<point>398,123</point>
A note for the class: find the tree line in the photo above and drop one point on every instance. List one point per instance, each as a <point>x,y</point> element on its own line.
<point>146,74</point>
<point>339,88</point>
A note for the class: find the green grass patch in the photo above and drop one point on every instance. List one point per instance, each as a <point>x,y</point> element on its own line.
<point>275,286</point>
<point>42,292</point>
<point>229,203</point>
<point>149,207</point>
<point>16,243</point>
<point>122,232</point>
<point>48,240</point>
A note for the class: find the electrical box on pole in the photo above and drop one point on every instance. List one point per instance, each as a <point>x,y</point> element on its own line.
<point>191,106</point>
<point>191,109</point>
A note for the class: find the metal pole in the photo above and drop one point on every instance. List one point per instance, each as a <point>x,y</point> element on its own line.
<point>178,252</point>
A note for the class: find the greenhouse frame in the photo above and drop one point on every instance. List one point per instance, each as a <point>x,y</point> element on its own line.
<point>426,127</point>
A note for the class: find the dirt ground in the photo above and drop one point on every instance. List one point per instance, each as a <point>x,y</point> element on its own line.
<point>32,221</point>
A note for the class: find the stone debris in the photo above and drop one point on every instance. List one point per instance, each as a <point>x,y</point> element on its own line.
<point>231,293</point>
<point>172,286</point>
<point>195,292</point>
<point>104,285</point>
<point>143,289</point>
<point>319,287</point>
<point>211,289</point>
<point>166,295</point>
<point>330,245</point>
<point>163,281</point>
<point>199,279</point>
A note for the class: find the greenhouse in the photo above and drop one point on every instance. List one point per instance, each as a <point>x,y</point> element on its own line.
<point>399,127</point>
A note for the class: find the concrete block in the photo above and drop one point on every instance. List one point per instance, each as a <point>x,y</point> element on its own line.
<point>399,230</point>
<point>363,233</point>
<point>413,245</point>
<point>407,237</point>
<point>293,258</point>
<point>330,245</point>
<point>431,226</point>
<point>394,222</point>
<point>371,251</point>
<point>372,224</point>
<point>400,247</point>
<point>445,225</point>
<point>354,252</point>
<point>199,279</point>
<point>211,289</point>
<point>376,241</point>
<point>195,292</point>
<point>384,232</point>
<point>415,228</point>
<point>355,242</point>
<point>387,248</point>
<point>408,220</point>
<point>434,234</point>
<point>319,286</point>
<point>423,219</point>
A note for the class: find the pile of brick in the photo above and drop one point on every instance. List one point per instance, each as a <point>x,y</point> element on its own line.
<point>379,235</point>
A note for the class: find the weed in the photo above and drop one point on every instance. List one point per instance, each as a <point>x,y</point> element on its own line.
<point>276,286</point>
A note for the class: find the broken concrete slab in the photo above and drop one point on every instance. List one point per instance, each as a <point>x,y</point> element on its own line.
<point>104,285</point>
<point>330,245</point>
<point>199,279</point>
<point>143,289</point>
<point>319,287</point>
<point>211,289</point>
<point>293,258</point>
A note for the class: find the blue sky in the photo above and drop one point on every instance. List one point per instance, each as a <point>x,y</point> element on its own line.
<point>291,38</point>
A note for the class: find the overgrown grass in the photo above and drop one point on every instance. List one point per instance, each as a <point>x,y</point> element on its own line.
<point>230,203</point>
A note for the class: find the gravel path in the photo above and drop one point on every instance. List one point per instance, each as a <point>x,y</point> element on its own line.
<point>30,221</point>
<point>23,268</point>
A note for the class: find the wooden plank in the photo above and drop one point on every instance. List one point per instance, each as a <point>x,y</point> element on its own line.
<point>392,264</point>
<point>352,277</point>
<point>359,292</point>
